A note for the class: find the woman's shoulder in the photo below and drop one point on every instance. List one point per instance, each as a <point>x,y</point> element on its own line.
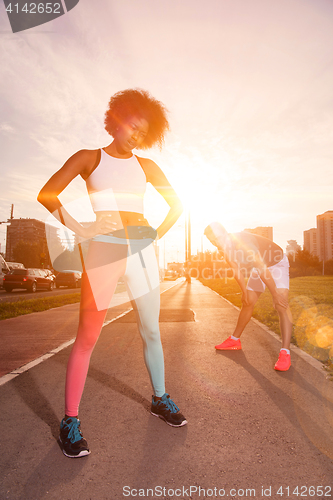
<point>150,168</point>
<point>146,162</point>
<point>87,159</point>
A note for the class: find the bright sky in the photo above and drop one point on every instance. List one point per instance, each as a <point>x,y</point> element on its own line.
<point>248,84</point>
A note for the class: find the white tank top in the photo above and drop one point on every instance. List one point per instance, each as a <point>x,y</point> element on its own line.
<point>117,184</point>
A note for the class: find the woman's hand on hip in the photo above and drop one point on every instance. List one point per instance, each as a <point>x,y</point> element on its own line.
<point>103,225</point>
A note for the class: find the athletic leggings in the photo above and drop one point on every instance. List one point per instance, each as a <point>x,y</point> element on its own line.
<point>108,259</point>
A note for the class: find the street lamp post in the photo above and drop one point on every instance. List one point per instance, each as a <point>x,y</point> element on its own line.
<point>186,246</point>
<point>188,236</point>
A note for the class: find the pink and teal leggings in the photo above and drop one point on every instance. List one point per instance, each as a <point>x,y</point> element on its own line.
<point>108,259</point>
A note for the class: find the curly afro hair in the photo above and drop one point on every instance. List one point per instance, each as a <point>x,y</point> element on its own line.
<point>138,102</point>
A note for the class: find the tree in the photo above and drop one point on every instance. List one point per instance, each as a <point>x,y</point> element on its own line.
<point>31,254</point>
<point>328,267</point>
<point>303,263</point>
<point>292,248</point>
<point>68,260</point>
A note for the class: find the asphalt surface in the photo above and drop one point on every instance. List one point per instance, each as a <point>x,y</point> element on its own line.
<point>252,432</point>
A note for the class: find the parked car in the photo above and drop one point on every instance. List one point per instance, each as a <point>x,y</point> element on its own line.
<point>71,279</point>
<point>48,272</point>
<point>170,275</point>
<point>15,265</point>
<point>4,269</point>
<point>3,273</point>
<point>29,279</point>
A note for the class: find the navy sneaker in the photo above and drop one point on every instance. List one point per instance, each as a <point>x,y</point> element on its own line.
<point>168,411</point>
<point>73,443</point>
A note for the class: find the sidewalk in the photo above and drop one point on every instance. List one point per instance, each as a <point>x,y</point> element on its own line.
<point>251,430</point>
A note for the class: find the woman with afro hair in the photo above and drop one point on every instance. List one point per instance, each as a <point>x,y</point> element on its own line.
<point>120,244</point>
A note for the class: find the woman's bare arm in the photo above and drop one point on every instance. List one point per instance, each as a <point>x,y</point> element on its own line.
<point>81,163</point>
<point>157,179</point>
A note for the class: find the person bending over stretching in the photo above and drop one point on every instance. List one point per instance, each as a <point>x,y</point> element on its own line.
<point>120,244</point>
<point>269,266</point>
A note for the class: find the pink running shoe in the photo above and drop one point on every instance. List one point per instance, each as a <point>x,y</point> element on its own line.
<point>283,363</point>
<point>229,345</point>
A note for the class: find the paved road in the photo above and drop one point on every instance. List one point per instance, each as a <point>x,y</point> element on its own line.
<point>40,335</point>
<point>249,426</point>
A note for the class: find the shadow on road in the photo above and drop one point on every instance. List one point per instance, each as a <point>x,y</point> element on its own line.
<point>30,393</point>
<point>53,471</point>
<point>116,385</point>
<point>297,415</point>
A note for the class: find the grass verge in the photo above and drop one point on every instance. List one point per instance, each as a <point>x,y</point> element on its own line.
<point>311,304</point>
<point>19,308</point>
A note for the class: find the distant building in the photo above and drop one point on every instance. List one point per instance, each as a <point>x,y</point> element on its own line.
<point>27,230</point>
<point>325,235</point>
<point>310,241</point>
<point>78,239</point>
<point>266,232</point>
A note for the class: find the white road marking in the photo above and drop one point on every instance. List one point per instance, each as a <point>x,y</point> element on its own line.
<point>15,373</point>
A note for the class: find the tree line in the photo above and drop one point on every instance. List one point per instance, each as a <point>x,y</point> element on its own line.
<point>203,265</point>
<point>36,255</point>
<point>302,263</point>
